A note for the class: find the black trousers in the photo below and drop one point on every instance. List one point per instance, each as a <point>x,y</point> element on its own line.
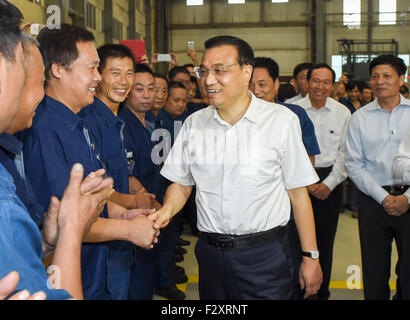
<point>326,213</point>
<point>377,231</point>
<point>257,273</point>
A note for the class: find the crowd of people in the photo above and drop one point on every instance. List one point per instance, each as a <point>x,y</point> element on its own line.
<point>260,181</point>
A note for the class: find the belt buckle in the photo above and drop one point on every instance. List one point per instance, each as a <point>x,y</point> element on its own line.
<point>396,190</point>
<point>225,242</point>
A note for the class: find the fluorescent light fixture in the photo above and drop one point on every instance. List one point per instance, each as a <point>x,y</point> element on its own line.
<point>194,2</point>
<point>279,1</point>
<point>236,1</point>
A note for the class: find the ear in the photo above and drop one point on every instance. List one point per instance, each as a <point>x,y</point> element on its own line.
<point>277,84</point>
<point>402,79</point>
<point>56,71</point>
<point>247,72</point>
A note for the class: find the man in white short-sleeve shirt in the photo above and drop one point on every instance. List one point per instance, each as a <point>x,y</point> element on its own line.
<point>249,165</point>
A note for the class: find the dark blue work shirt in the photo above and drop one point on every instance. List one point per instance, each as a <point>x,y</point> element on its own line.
<point>20,243</point>
<point>152,121</point>
<point>308,129</point>
<point>192,107</point>
<point>171,124</point>
<point>57,140</point>
<point>106,133</point>
<point>346,102</point>
<point>11,157</point>
<point>139,145</point>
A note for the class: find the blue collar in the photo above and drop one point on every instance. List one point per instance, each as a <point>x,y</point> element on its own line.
<point>66,115</point>
<point>106,113</point>
<point>11,143</point>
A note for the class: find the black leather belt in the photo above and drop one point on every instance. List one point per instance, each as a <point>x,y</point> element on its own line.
<point>396,189</point>
<point>226,241</point>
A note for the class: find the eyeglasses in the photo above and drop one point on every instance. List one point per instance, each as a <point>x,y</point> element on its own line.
<point>217,70</point>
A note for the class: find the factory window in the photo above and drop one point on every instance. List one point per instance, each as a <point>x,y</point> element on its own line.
<point>351,12</point>
<point>90,16</point>
<point>117,30</point>
<point>194,2</point>
<point>387,12</point>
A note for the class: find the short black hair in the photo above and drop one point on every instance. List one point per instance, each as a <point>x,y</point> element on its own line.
<point>10,33</point>
<point>175,85</point>
<point>175,70</point>
<point>60,45</point>
<point>395,62</point>
<point>245,51</point>
<point>143,68</point>
<point>114,51</point>
<point>269,64</point>
<point>321,66</point>
<point>354,83</point>
<point>286,91</point>
<point>188,65</point>
<point>194,80</point>
<point>300,67</point>
<point>404,89</point>
<point>159,75</point>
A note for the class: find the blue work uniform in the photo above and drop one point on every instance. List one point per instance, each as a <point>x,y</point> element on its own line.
<point>57,140</point>
<point>106,134</point>
<point>137,140</point>
<point>20,243</point>
<point>11,157</point>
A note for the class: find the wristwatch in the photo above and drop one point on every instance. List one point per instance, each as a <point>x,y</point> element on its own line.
<point>314,254</point>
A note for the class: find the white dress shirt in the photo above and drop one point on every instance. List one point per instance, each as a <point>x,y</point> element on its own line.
<point>372,143</point>
<point>331,123</point>
<point>241,172</point>
<point>294,99</point>
<point>401,164</point>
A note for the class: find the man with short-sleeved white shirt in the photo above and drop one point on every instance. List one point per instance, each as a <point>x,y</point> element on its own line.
<point>249,165</point>
<point>330,119</point>
<point>375,133</point>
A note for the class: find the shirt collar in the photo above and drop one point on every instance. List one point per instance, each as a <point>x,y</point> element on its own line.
<point>328,105</point>
<point>106,113</point>
<point>251,113</point>
<point>11,143</point>
<point>66,115</point>
<point>374,105</point>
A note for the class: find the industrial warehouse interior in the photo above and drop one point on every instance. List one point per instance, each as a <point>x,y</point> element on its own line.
<point>344,37</point>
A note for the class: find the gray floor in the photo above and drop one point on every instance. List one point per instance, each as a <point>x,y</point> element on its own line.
<point>346,264</point>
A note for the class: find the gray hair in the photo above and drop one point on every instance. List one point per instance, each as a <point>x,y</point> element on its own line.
<point>27,42</point>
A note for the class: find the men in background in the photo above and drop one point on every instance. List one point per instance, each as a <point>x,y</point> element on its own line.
<point>367,95</point>
<point>375,133</point>
<point>330,119</point>
<point>76,211</point>
<point>106,135</point>
<point>300,76</point>
<point>354,91</point>
<point>138,142</point>
<point>243,206</point>
<point>59,138</point>
<point>265,85</point>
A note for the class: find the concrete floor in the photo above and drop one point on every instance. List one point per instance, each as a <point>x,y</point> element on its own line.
<point>345,272</point>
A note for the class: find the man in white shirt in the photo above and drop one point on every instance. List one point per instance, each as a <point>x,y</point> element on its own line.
<point>300,76</point>
<point>375,133</point>
<point>330,119</point>
<point>249,164</point>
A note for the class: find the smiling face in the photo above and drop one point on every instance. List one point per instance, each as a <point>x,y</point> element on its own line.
<point>33,91</point>
<point>385,81</point>
<point>263,86</point>
<point>142,94</point>
<point>78,81</point>
<point>226,82</point>
<point>320,85</point>
<point>176,102</point>
<point>117,80</point>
